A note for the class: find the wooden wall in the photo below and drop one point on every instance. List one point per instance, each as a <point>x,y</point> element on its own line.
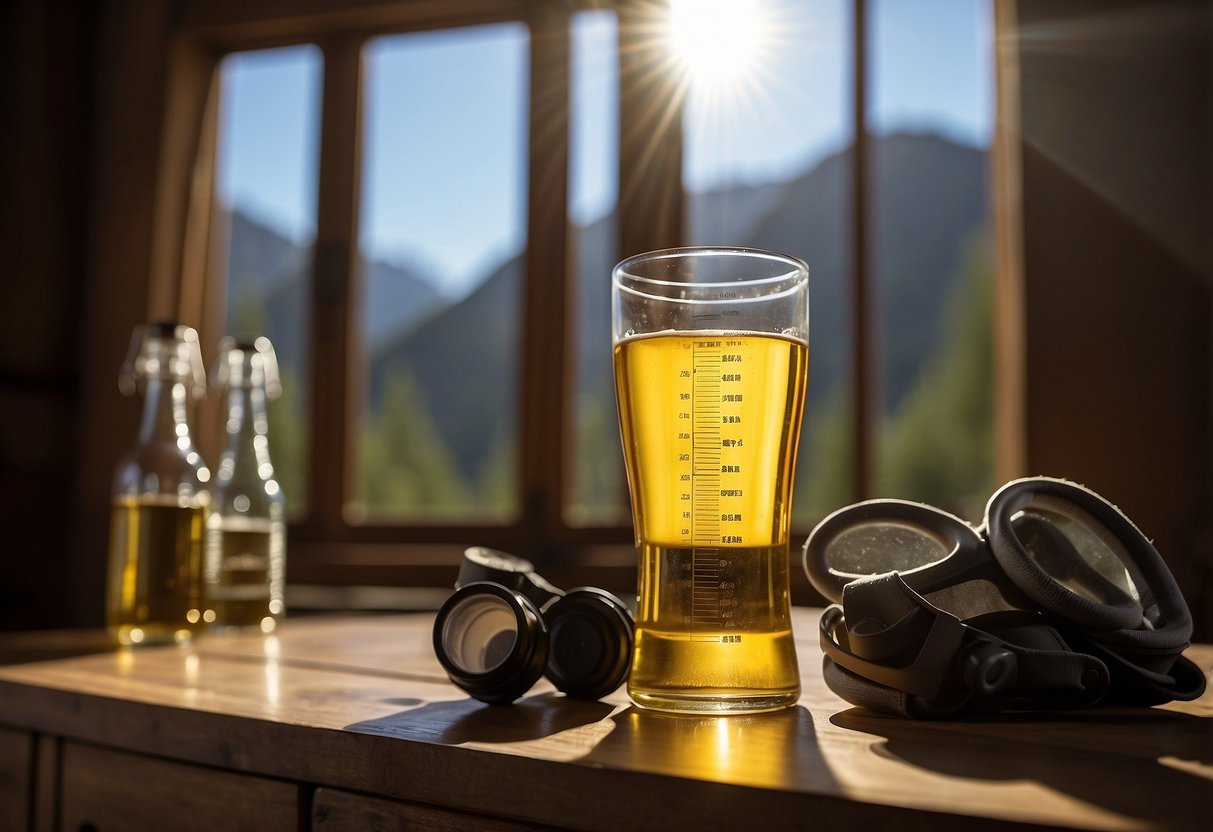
<point>84,96</point>
<point>1116,141</point>
<point>45,165</point>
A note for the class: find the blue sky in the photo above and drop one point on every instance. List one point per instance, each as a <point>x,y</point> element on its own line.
<point>445,154</point>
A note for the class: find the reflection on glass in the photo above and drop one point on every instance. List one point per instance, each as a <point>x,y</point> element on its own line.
<point>443,231</point>
<point>265,222</point>
<point>931,120</point>
<point>598,492</point>
<point>767,163</point>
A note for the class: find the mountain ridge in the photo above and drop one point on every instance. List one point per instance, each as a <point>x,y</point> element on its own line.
<point>928,203</point>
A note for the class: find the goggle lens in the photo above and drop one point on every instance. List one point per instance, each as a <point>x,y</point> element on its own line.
<point>1076,551</point>
<point>878,546</point>
<point>480,633</point>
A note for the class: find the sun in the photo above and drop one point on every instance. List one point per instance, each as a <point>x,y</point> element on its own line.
<point>718,42</point>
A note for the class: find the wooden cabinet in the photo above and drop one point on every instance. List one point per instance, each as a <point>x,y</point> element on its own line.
<point>112,791</point>
<point>338,811</point>
<point>16,780</point>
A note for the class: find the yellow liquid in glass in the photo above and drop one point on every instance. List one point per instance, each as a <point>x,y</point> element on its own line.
<point>155,570</point>
<point>711,423</point>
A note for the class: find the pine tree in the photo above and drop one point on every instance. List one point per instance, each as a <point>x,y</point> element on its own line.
<point>939,445</point>
<point>405,469</point>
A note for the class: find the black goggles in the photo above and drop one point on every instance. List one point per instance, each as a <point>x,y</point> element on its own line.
<point>1056,601</point>
<point>505,626</point>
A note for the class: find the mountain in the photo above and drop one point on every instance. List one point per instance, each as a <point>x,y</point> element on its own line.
<point>932,207</point>
<point>465,359</point>
<point>267,289</point>
<point>395,297</point>
<point>259,258</point>
<point>929,203</point>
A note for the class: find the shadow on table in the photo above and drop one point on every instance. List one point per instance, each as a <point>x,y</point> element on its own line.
<point>465,720</point>
<point>772,750</point>
<point>1129,761</point>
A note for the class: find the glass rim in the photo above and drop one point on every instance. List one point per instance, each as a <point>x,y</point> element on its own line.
<point>798,270</point>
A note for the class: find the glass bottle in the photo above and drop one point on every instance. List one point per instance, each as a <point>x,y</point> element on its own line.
<point>246,531</point>
<point>160,498</point>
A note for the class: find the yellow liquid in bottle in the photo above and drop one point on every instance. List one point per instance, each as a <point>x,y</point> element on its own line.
<point>244,572</point>
<point>155,569</point>
<point>711,423</point>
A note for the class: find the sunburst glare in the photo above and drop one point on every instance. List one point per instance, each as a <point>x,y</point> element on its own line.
<point>718,41</point>
<point>731,59</point>
<point>724,72</point>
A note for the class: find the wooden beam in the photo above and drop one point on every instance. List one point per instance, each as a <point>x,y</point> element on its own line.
<point>866,379</point>
<point>1010,441</point>
<point>238,24</point>
<point>544,381</point>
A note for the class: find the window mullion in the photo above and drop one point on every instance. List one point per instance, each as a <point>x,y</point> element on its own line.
<point>864,390</point>
<point>545,316</point>
<point>650,136</point>
<point>334,289</point>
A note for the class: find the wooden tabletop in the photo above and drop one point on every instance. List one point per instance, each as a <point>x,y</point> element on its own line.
<point>362,704</point>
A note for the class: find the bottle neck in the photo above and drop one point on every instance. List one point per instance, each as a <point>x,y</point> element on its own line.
<point>165,413</point>
<point>246,428</point>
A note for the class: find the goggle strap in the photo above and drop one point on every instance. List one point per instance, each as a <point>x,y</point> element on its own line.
<point>912,654</point>
<point>858,689</point>
<point>921,674</point>
<point>1141,678</point>
<point>865,693</point>
<point>481,564</point>
<point>926,656</point>
<point>1062,672</point>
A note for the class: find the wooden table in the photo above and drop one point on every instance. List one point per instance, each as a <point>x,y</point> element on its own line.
<point>349,723</point>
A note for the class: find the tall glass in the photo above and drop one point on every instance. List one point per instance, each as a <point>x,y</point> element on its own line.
<point>711,358</point>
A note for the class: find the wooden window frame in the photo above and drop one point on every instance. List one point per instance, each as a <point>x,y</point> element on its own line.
<point>324,547</point>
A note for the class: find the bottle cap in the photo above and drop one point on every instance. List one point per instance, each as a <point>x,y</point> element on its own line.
<point>166,350</point>
<point>247,364</point>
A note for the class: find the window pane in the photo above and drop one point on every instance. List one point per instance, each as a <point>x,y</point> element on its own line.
<point>767,163</point>
<point>598,490</point>
<point>442,242</point>
<point>931,120</point>
<point>266,220</point>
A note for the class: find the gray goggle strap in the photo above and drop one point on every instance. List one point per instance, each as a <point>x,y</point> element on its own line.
<point>895,652</point>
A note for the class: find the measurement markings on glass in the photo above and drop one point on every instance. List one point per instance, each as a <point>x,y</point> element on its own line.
<point>705,492</point>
